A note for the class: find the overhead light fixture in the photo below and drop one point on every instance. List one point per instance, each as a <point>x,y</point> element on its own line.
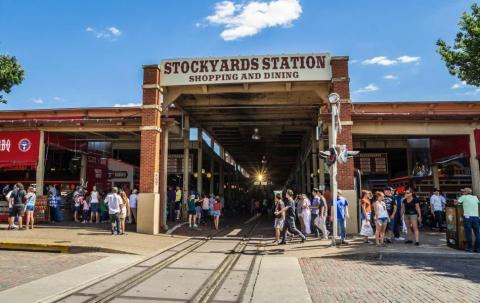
<point>209,175</point>
<point>264,160</point>
<point>256,135</point>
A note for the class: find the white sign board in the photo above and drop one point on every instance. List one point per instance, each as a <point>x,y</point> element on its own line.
<point>247,69</point>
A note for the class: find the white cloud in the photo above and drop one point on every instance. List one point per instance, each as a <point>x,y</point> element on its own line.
<point>37,100</point>
<point>459,85</point>
<point>385,61</point>
<point>390,77</point>
<point>58,99</point>
<point>248,19</point>
<point>112,33</point>
<point>353,61</point>
<point>368,89</point>
<point>408,59</point>
<point>115,31</point>
<point>130,104</point>
<point>380,60</point>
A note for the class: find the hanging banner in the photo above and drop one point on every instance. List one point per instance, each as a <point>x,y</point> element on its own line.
<point>19,150</point>
<point>246,69</point>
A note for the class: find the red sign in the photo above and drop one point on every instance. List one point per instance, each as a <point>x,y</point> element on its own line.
<point>19,149</point>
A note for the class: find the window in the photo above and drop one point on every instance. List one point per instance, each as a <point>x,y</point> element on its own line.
<point>206,138</point>
<point>217,149</point>
<point>193,134</point>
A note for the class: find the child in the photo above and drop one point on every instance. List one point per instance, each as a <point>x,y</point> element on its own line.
<point>192,212</point>
<point>217,208</point>
<point>86,209</point>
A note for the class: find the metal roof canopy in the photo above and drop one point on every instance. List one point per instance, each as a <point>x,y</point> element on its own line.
<point>285,114</point>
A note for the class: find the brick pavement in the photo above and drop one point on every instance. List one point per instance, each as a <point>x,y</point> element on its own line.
<point>20,267</point>
<point>409,280</point>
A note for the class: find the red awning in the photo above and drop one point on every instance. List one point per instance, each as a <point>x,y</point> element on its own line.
<point>449,147</point>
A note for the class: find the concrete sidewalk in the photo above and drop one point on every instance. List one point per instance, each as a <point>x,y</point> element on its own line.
<point>90,238</point>
<point>432,245</point>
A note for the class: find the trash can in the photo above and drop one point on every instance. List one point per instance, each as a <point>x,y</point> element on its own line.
<point>455,230</point>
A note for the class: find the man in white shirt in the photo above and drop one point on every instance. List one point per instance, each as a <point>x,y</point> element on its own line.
<point>113,203</point>
<point>133,206</point>
<point>437,207</point>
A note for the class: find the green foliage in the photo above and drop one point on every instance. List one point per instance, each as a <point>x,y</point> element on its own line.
<point>11,73</point>
<point>463,58</point>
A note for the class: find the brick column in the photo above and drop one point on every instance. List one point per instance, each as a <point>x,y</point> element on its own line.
<point>345,173</point>
<point>150,152</point>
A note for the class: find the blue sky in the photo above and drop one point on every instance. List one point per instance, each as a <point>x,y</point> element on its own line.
<point>90,53</point>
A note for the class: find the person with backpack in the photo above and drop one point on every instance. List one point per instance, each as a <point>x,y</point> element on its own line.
<point>18,200</point>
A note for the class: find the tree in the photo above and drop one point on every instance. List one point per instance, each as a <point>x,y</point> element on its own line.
<point>463,58</point>
<point>11,73</point>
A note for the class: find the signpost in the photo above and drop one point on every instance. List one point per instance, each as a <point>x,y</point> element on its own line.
<point>332,155</point>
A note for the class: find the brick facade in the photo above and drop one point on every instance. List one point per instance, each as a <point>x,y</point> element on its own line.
<point>150,147</point>
<point>341,85</point>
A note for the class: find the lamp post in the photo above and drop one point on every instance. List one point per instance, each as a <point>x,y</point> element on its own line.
<point>334,100</point>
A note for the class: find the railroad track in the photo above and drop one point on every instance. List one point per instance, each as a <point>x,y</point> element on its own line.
<point>205,293</point>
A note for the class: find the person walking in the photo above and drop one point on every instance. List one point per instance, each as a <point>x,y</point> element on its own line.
<point>298,211</point>
<point>124,206</point>
<point>306,214</point>
<point>178,202</point>
<point>412,216</point>
<point>11,217</point>
<point>192,212</point>
<point>289,223</point>
<point>170,203</point>
<point>52,203</point>
<point>94,201</point>
<point>342,216</point>
<point>398,221</point>
<point>279,217</point>
<point>366,213</point>
<point>315,211</point>
<point>437,208</point>
<point>391,205</point>
<point>217,209</point>
<point>205,208</point>
<point>471,223</point>
<point>30,207</point>
<point>18,200</point>
<point>113,203</point>
<point>323,214</point>
<point>382,218</point>
<point>132,200</point>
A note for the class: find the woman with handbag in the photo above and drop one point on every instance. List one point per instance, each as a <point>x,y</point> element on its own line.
<point>367,230</point>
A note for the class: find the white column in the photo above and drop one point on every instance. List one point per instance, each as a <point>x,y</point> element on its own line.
<point>40,173</point>
<point>83,168</point>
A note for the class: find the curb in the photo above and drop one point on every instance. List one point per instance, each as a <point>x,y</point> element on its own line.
<point>36,246</point>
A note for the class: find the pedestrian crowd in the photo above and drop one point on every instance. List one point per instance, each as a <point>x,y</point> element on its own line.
<point>199,209</point>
